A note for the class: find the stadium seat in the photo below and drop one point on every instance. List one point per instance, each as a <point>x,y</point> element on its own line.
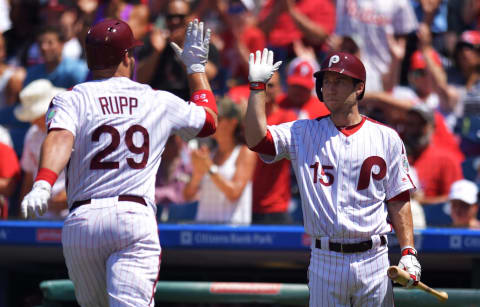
<point>436,216</point>
<point>469,172</point>
<point>182,213</point>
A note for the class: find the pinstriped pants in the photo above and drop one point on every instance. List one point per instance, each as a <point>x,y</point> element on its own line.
<point>112,252</point>
<point>353,280</point>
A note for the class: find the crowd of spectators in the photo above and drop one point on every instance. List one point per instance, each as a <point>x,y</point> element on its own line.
<point>423,79</point>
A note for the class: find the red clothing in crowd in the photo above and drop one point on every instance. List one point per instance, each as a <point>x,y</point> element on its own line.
<point>9,168</point>
<point>437,169</point>
<point>322,12</point>
<point>312,109</point>
<point>271,182</point>
<point>239,94</point>
<point>444,138</point>
<point>252,38</point>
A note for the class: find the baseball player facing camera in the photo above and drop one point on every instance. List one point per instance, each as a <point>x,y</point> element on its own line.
<point>109,134</point>
<point>352,174</point>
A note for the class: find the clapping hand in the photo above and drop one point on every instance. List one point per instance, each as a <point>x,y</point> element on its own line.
<point>201,160</point>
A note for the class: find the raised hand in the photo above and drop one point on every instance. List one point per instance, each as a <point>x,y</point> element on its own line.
<point>158,39</point>
<point>195,48</point>
<point>261,67</point>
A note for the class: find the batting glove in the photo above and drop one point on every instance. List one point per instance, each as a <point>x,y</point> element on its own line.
<point>36,201</point>
<point>261,67</point>
<point>409,263</point>
<point>195,48</point>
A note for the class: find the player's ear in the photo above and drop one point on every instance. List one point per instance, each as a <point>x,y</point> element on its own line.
<point>126,58</point>
<point>359,88</point>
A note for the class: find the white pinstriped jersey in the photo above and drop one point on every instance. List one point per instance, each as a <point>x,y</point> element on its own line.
<point>120,128</point>
<point>343,180</point>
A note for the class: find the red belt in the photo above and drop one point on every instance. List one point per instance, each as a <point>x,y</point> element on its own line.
<point>132,198</point>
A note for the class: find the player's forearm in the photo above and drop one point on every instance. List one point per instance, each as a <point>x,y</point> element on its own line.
<point>400,215</point>
<point>198,81</point>
<point>56,150</point>
<point>255,119</point>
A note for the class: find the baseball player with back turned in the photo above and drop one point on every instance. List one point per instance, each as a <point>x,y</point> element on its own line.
<point>352,174</point>
<point>109,134</point>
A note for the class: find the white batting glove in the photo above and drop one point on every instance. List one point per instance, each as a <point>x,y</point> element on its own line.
<point>36,201</point>
<point>261,67</point>
<point>409,263</point>
<point>195,48</point>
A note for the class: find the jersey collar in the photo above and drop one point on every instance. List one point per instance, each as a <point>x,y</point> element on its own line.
<point>349,130</point>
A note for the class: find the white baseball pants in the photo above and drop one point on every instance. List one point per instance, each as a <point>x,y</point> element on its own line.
<point>112,252</point>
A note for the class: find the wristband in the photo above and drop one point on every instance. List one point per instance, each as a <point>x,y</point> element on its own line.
<point>409,250</point>
<point>255,86</point>
<point>204,98</point>
<point>195,68</point>
<point>46,174</point>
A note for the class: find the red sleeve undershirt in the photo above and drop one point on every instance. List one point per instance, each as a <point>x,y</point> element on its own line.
<point>404,196</point>
<point>209,127</point>
<point>266,145</point>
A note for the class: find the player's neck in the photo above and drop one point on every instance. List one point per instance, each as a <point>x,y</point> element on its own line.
<point>124,69</point>
<point>109,73</point>
<point>346,119</point>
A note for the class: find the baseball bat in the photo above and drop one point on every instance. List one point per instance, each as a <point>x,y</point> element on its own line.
<point>402,277</point>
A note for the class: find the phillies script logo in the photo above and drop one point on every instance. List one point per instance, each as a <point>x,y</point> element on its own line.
<point>244,288</point>
<point>373,167</point>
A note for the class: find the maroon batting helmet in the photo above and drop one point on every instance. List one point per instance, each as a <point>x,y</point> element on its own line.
<point>343,63</point>
<point>106,43</point>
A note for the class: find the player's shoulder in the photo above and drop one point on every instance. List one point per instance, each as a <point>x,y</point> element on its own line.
<point>299,126</point>
<point>322,119</point>
<point>67,94</point>
<point>165,95</point>
<point>307,122</point>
